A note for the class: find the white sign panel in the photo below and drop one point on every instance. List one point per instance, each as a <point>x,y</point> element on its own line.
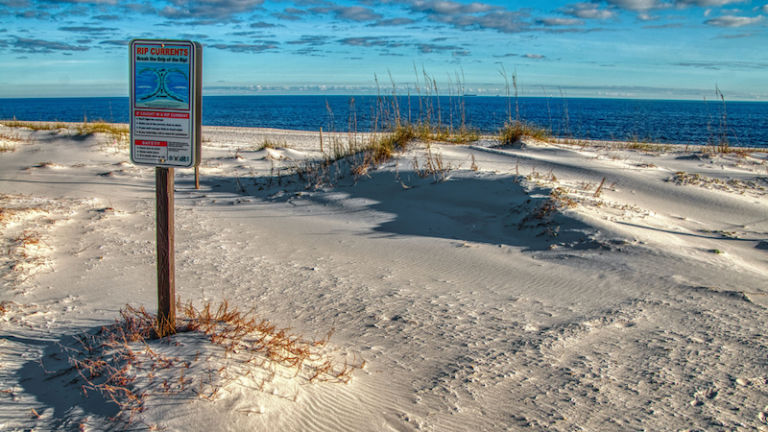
<point>166,102</point>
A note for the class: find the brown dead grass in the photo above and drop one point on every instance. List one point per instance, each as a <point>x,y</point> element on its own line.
<point>111,361</point>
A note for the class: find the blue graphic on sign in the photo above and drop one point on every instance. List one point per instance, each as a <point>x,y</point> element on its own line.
<point>161,86</point>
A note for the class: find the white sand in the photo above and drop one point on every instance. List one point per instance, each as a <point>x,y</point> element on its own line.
<point>641,307</point>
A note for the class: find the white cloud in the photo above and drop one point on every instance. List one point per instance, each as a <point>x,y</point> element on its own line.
<point>706,3</point>
<point>646,5</point>
<point>587,11</point>
<point>450,7</point>
<point>636,5</point>
<point>733,21</point>
<point>216,9</point>
<point>559,21</point>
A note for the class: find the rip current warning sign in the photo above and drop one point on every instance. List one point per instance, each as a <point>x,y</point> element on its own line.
<point>166,102</point>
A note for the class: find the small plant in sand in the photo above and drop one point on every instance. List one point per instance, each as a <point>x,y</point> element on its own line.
<point>643,147</point>
<point>117,130</point>
<point>6,146</point>
<point>757,186</point>
<point>8,141</point>
<point>684,178</point>
<point>119,134</point>
<point>433,166</point>
<point>272,144</point>
<point>515,130</point>
<point>127,364</point>
<point>542,215</point>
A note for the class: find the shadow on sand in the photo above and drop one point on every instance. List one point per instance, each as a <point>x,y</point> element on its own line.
<point>466,206</point>
<point>57,385</point>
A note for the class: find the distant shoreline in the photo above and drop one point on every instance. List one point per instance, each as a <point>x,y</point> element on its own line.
<point>413,96</point>
<point>244,131</point>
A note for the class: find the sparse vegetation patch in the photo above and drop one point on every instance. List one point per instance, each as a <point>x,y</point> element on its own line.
<point>127,364</point>
<point>514,131</point>
<point>757,186</point>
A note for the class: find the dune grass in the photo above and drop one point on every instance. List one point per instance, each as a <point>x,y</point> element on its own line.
<point>35,125</point>
<point>118,133</point>
<point>126,363</point>
<point>515,130</point>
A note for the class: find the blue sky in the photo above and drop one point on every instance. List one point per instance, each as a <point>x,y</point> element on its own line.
<point>672,49</point>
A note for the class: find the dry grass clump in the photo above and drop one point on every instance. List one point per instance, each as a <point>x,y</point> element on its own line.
<point>271,144</point>
<point>426,131</point>
<point>643,147</point>
<point>558,200</point>
<point>35,125</point>
<point>542,215</point>
<point>684,178</point>
<point>433,166</point>
<point>119,133</point>
<point>8,141</point>
<point>6,146</point>
<point>114,130</point>
<point>757,186</point>
<point>514,131</point>
<point>11,215</point>
<point>24,223</point>
<point>127,364</point>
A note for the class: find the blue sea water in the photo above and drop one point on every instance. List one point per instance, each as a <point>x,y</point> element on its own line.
<point>665,121</point>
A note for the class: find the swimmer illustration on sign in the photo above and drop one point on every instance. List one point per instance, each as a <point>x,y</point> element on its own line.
<point>161,88</point>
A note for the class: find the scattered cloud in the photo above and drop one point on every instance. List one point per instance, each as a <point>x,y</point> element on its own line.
<point>644,6</point>
<point>392,22</point>
<point>585,10</point>
<point>207,9</point>
<point>118,42</point>
<point>723,65</point>
<point>637,5</point>
<point>311,40</point>
<point>464,16</point>
<point>369,29</point>
<point>290,14</point>
<point>446,7</point>
<point>663,26</point>
<point>37,46</point>
<point>349,13</point>
<point>193,36</point>
<point>705,3</point>
<point>734,36</point>
<point>552,22</point>
<point>85,29</point>
<point>15,3</point>
<point>261,24</point>
<point>426,48</point>
<point>95,2</point>
<point>33,14</point>
<point>371,41</point>
<point>733,21</point>
<point>254,48</point>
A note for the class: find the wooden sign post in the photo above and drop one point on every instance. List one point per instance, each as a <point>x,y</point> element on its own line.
<point>166,277</point>
<point>166,114</point>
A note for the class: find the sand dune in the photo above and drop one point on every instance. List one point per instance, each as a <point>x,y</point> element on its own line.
<point>559,286</point>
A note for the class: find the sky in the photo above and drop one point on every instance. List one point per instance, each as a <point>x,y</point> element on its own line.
<point>656,49</point>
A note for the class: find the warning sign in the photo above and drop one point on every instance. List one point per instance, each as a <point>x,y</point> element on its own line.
<point>166,102</point>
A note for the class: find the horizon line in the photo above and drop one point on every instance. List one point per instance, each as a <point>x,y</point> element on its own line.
<point>638,98</point>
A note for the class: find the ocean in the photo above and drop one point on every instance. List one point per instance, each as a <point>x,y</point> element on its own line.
<point>662,121</point>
